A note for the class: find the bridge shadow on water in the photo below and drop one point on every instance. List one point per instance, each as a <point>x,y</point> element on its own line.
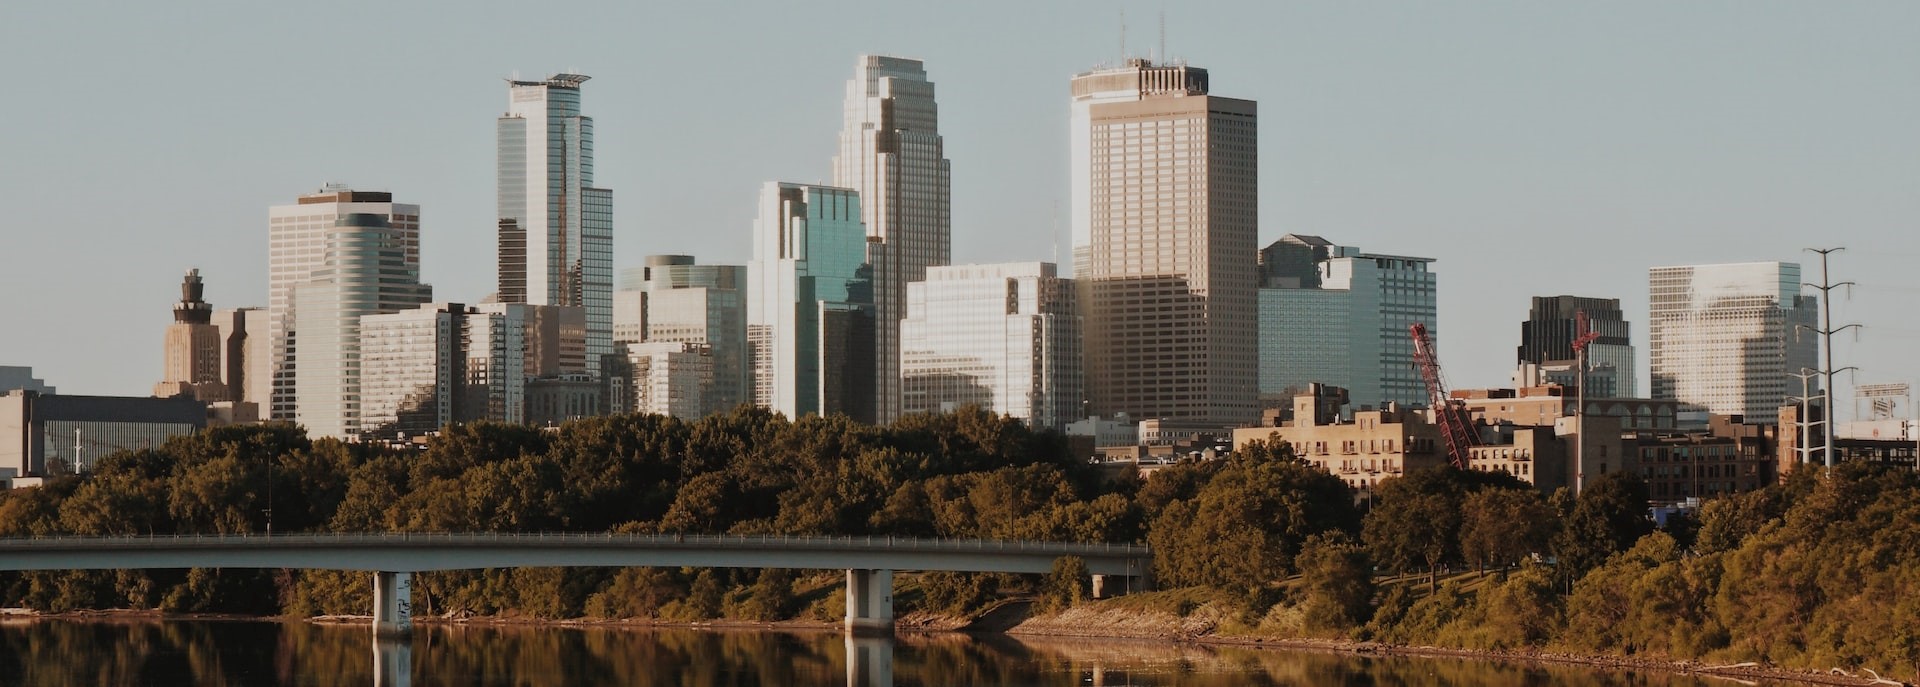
<point>146,651</point>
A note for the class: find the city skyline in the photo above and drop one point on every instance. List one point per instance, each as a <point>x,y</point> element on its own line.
<point>1712,177</point>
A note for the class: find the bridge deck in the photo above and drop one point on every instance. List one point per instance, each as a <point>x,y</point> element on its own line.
<point>419,551</point>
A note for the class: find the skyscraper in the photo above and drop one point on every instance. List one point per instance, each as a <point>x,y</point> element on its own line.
<point>297,245</point>
<point>363,270</point>
<point>1165,214</point>
<point>1546,339</point>
<point>891,154</point>
<point>810,303</point>
<point>555,228</point>
<point>1726,337</point>
<point>672,299</point>
<point>192,360</point>
<point>1004,337</point>
<point>1335,315</point>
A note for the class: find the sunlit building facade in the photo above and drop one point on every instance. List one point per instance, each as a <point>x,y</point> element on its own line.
<point>555,227</point>
<point>364,270</point>
<point>810,303</point>
<point>1004,337</point>
<point>670,377</point>
<point>1335,315</point>
<point>297,247</point>
<point>892,155</point>
<point>672,299</point>
<point>1165,215</point>
<point>1728,338</point>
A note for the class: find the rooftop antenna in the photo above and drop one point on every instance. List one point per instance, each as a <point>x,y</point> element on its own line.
<point>1163,36</point>
<point>1123,35</point>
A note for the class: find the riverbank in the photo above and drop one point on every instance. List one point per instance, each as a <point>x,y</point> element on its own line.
<point>1084,624</point>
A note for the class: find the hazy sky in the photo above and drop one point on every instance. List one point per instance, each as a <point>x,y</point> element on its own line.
<point>1533,148</point>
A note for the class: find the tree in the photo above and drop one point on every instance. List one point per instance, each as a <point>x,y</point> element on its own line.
<point>1608,516</point>
<point>1337,577</point>
<point>1245,526</point>
<point>1502,526</point>
<point>1068,584</point>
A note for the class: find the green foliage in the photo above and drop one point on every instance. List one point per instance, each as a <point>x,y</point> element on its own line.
<point>1336,575</point>
<point>1068,584</point>
<point>1244,527</point>
<point>1609,516</point>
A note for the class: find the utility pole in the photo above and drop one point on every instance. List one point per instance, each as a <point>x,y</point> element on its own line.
<point>1826,332</point>
<point>1805,375</point>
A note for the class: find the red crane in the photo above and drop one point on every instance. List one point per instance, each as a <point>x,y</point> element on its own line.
<point>1448,413</point>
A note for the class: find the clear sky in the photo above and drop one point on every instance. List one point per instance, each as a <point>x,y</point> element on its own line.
<point>1533,148</point>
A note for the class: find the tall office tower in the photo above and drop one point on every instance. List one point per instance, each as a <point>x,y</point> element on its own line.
<point>672,299</point>
<point>1335,315</point>
<point>1546,339</point>
<point>555,228</point>
<point>1004,337</point>
<point>892,155</point>
<point>364,269</point>
<point>191,362</point>
<point>296,245</point>
<point>810,303</point>
<point>1725,337</point>
<point>17,378</point>
<point>1164,217</point>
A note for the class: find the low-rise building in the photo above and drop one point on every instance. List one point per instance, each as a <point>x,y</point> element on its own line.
<point>1730,457</point>
<point>46,434</point>
<point>1375,445</point>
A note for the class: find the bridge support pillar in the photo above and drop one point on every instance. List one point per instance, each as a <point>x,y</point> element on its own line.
<point>870,602</point>
<point>392,604</point>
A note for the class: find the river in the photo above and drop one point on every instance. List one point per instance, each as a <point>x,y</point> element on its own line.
<point>212,652</point>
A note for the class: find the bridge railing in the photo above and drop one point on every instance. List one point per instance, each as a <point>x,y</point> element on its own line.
<point>755,541</point>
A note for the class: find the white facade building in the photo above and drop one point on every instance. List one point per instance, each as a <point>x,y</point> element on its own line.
<point>556,228</point>
<point>296,247</point>
<point>1005,337</point>
<point>1726,338</point>
<point>672,299</point>
<point>364,270</point>
<point>891,154</point>
<point>810,303</point>
<point>670,377</point>
<point>1334,315</point>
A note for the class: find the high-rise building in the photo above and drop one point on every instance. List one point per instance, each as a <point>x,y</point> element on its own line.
<point>1727,338</point>
<point>672,299</point>
<point>1165,213</point>
<point>1004,337</point>
<point>1546,339</point>
<point>537,344</point>
<point>246,359</point>
<point>364,269</point>
<point>412,369</point>
<point>555,227</point>
<point>671,377</point>
<point>1337,316</point>
<point>891,154</point>
<point>192,358</point>
<point>810,303</point>
<point>297,247</point>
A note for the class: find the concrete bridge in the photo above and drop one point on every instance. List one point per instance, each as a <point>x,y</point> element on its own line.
<point>394,557</point>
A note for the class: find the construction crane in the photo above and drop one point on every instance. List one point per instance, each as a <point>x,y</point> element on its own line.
<point>1583,334</point>
<point>1448,413</point>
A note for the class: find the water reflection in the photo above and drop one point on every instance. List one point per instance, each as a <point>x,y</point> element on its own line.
<point>255,653</point>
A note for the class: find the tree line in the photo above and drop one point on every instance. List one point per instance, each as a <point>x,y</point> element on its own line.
<point>1811,573</point>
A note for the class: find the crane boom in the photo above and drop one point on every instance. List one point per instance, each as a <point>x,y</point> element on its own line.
<point>1449,414</point>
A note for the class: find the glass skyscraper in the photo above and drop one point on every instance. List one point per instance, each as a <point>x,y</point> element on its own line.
<point>1727,338</point>
<point>555,228</point>
<point>297,247</point>
<point>1334,315</point>
<point>1004,337</point>
<point>363,271</point>
<point>891,154</point>
<point>810,303</point>
<point>672,299</point>
<point>1546,339</point>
